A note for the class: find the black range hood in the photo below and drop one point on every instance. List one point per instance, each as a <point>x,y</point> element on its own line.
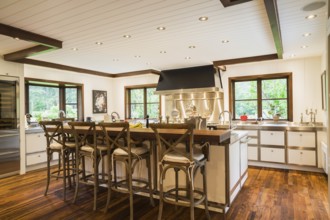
<point>192,79</point>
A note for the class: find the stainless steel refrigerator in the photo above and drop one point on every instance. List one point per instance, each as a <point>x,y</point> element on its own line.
<point>9,126</point>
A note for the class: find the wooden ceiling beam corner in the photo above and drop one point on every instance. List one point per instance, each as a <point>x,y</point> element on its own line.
<point>29,36</point>
<point>245,60</point>
<point>227,3</point>
<point>273,17</point>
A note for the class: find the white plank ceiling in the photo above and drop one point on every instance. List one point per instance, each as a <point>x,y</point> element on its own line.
<point>82,23</point>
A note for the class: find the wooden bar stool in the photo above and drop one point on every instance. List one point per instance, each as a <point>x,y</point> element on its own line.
<point>86,145</point>
<point>121,149</point>
<point>57,143</point>
<point>180,153</point>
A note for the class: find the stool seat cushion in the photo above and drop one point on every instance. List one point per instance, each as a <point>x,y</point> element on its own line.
<point>89,148</point>
<point>134,150</point>
<point>178,158</point>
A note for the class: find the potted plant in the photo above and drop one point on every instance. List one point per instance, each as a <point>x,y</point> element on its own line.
<point>244,117</point>
<point>274,112</point>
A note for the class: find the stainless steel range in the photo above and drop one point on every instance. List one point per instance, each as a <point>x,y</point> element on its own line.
<point>9,126</point>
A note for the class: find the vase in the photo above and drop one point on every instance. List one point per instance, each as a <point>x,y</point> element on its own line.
<point>276,117</point>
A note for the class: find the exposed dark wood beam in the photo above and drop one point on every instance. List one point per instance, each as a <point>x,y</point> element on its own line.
<point>245,60</point>
<point>137,73</point>
<point>27,52</point>
<point>272,12</point>
<point>85,71</point>
<point>227,3</point>
<point>63,67</point>
<point>44,44</point>
<point>29,36</point>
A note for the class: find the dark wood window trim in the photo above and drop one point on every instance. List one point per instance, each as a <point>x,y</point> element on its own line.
<point>127,98</point>
<point>287,75</point>
<point>62,86</point>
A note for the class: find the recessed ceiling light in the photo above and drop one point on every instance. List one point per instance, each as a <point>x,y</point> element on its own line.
<point>115,59</point>
<point>74,48</point>
<point>127,36</point>
<point>192,47</point>
<point>304,46</point>
<point>203,18</point>
<point>314,6</point>
<point>307,34</point>
<point>311,16</point>
<point>147,63</point>
<point>161,28</point>
<point>137,56</point>
<point>225,41</point>
<point>162,51</point>
<point>293,55</point>
<point>187,58</point>
<point>16,38</point>
<point>98,42</point>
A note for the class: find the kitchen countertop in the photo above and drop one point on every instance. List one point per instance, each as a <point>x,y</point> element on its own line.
<point>271,125</point>
<point>32,130</point>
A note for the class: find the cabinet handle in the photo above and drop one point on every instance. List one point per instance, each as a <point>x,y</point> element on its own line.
<point>301,153</point>
<point>272,151</point>
<point>300,135</point>
<point>271,133</point>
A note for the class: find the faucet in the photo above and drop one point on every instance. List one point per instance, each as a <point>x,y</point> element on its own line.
<point>114,115</point>
<point>61,114</point>
<point>230,118</point>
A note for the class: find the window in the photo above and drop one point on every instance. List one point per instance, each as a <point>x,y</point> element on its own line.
<point>141,101</point>
<point>44,99</point>
<point>262,96</point>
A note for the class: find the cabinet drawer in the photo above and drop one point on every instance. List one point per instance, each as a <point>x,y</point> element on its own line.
<point>272,138</point>
<point>302,157</point>
<point>252,153</point>
<point>35,142</point>
<point>253,141</point>
<point>252,133</point>
<point>301,139</point>
<point>272,155</point>
<point>36,158</point>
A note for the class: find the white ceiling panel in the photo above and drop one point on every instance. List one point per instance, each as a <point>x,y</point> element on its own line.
<point>81,23</point>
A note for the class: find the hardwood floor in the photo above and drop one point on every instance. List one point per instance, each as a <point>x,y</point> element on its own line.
<point>267,194</point>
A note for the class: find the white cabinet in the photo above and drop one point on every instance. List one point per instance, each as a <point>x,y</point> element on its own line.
<point>36,146</point>
<point>276,155</point>
<point>35,142</point>
<point>252,153</point>
<point>302,157</point>
<point>234,165</point>
<point>301,139</point>
<point>272,138</point>
<point>244,156</point>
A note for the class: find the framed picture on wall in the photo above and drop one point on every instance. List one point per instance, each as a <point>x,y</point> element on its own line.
<point>100,101</point>
<point>324,91</point>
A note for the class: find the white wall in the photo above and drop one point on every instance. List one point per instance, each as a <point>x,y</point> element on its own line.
<point>16,70</point>
<point>306,81</point>
<point>90,82</point>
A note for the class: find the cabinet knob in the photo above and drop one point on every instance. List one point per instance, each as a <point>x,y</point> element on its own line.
<point>301,153</point>
<point>271,133</point>
<point>300,135</point>
<point>272,151</point>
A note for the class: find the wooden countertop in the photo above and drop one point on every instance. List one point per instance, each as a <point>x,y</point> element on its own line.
<point>214,137</point>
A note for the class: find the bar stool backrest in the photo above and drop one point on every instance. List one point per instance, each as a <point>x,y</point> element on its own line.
<point>116,132</point>
<point>54,132</point>
<point>84,133</point>
<point>185,135</point>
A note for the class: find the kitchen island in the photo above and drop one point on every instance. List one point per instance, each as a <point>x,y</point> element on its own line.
<point>226,168</point>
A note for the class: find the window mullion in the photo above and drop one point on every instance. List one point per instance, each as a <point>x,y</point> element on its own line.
<point>259,98</point>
